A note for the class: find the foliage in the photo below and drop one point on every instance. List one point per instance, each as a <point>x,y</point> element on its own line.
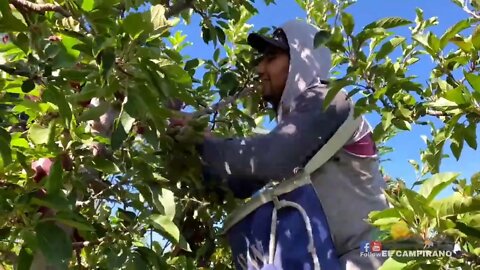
<point>93,177</point>
<point>375,64</point>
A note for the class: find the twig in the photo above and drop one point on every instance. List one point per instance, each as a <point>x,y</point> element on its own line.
<point>222,104</point>
<point>436,113</point>
<point>39,8</point>
<point>96,196</point>
<point>469,11</point>
<point>214,121</point>
<point>178,8</point>
<point>79,258</point>
<point>14,71</point>
<point>119,65</point>
<point>17,72</point>
<point>80,245</point>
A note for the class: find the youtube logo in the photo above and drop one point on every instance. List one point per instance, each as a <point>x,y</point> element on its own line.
<point>376,246</point>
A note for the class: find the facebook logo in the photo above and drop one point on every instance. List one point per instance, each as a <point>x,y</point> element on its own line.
<point>365,247</point>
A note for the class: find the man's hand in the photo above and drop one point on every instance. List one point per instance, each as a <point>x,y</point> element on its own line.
<point>184,120</point>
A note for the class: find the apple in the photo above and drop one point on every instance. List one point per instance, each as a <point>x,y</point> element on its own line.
<point>41,168</point>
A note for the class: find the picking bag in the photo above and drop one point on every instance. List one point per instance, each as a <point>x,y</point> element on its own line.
<point>283,226</point>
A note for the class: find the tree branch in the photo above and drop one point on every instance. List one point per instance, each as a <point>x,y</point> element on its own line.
<point>39,8</point>
<point>14,71</point>
<point>469,11</point>
<point>436,113</point>
<point>178,8</point>
<point>222,104</point>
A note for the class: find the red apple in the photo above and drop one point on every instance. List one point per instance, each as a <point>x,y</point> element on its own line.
<point>41,168</point>
<point>54,38</point>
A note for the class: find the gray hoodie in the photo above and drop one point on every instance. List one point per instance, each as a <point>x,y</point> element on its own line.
<point>349,185</point>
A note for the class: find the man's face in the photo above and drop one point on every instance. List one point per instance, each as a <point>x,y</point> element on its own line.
<point>273,73</point>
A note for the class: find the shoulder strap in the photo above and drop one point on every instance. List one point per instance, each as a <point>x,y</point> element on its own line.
<point>337,141</point>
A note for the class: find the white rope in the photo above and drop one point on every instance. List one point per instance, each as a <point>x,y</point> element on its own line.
<point>273,232</point>
<point>306,219</point>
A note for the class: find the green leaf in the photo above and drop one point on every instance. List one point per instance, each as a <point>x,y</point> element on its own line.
<point>433,42</point>
<point>177,74</point>
<point>152,257</point>
<point>55,95</point>
<point>5,150</point>
<point>87,5</point>
<point>452,31</point>
<point>192,64</point>
<point>127,121</point>
<point>417,203</point>
<point>94,113</point>
<point>470,135</point>
<point>438,182</point>
<point>23,42</point>
<point>348,23</point>
<point>227,83</point>
<point>118,136</point>
<point>473,80</point>
<point>456,95</point>
<point>388,47</point>
<point>401,124</point>
<point>164,200</point>
<point>223,4</point>
<point>38,134</point>
<point>55,181</point>
<point>463,44</point>
<point>457,140</point>
<point>455,204</point>
<point>107,62</point>
<point>476,38</point>
<point>105,165</point>
<point>392,264</point>
<point>216,54</point>
<point>19,142</point>
<point>387,213</point>
<point>69,43</point>
<point>469,231</point>
<point>53,201</point>
<point>442,102</point>
<point>388,23</point>
<point>164,223</point>
<point>25,259</point>
<point>73,220</point>
<point>55,245</point>
<point>28,85</point>
<point>8,22</point>
<point>321,37</point>
<point>335,87</point>
<point>134,24</point>
<point>424,41</point>
<point>157,17</point>
<point>220,34</point>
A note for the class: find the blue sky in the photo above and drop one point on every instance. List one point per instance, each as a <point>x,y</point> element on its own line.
<point>407,145</point>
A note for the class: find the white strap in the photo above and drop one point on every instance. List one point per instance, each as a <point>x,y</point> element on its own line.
<point>337,141</point>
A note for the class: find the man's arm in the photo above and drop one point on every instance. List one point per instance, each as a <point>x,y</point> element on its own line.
<point>247,164</point>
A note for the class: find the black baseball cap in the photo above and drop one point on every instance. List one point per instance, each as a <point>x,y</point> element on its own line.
<point>261,42</point>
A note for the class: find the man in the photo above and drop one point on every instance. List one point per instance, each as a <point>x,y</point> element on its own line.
<point>294,78</point>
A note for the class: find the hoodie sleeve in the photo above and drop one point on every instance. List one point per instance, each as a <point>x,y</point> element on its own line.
<point>246,164</point>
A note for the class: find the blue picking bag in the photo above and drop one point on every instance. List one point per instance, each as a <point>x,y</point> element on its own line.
<point>283,226</point>
<point>300,236</point>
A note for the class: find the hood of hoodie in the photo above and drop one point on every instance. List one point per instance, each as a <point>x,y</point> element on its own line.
<point>307,65</point>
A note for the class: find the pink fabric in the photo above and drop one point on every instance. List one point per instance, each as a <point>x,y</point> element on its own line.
<point>363,147</point>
